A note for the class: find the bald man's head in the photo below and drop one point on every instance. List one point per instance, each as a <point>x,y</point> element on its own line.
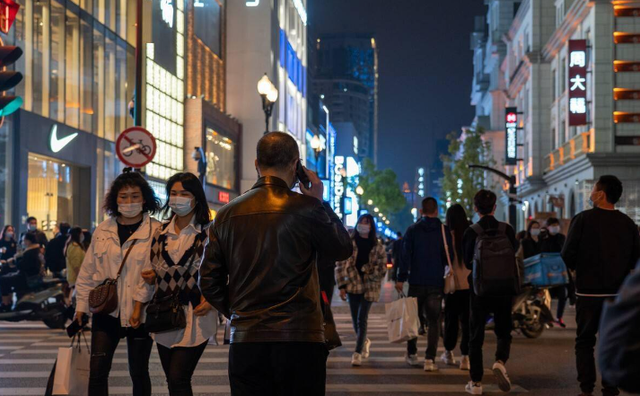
<point>277,151</point>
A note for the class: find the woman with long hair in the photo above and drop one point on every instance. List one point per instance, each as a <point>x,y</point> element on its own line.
<point>8,244</point>
<point>457,304</point>
<point>360,278</point>
<point>123,240</point>
<point>74,254</point>
<point>173,270</point>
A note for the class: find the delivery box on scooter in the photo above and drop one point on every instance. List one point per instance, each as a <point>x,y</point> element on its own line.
<point>545,270</point>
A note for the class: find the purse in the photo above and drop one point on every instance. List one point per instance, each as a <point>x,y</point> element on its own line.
<point>449,279</point>
<point>167,313</point>
<point>103,299</point>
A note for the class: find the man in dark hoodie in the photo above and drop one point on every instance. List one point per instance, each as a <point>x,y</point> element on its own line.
<point>603,247</point>
<point>423,262</point>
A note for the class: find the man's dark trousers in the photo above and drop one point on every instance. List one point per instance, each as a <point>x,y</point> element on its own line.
<point>588,312</point>
<point>278,368</point>
<point>429,300</point>
<point>480,309</point>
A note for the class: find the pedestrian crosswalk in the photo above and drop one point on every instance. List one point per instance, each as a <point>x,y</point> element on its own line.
<point>27,353</point>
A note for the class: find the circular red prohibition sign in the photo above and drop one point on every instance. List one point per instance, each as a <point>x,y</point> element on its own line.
<point>136,147</point>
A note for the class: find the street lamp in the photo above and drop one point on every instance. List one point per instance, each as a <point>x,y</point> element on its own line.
<point>269,94</point>
<point>370,202</point>
<point>376,210</point>
<point>360,191</point>
<point>316,145</point>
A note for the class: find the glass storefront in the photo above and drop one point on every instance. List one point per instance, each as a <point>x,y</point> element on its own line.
<point>70,57</point>
<point>221,160</point>
<point>50,197</point>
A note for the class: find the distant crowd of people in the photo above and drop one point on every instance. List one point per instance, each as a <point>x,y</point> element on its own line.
<point>24,261</point>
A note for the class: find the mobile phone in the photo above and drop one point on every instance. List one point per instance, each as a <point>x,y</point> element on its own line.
<point>74,327</point>
<point>302,176</point>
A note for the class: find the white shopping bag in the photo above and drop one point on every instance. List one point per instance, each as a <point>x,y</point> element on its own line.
<point>402,319</point>
<point>72,370</point>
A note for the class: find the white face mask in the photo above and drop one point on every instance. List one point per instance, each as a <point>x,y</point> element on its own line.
<point>31,227</point>
<point>363,229</point>
<point>535,232</point>
<point>130,210</point>
<point>180,205</point>
<point>9,234</point>
<point>553,230</point>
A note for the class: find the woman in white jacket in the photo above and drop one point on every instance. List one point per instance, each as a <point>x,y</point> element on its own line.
<point>129,202</point>
<point>172,270</point>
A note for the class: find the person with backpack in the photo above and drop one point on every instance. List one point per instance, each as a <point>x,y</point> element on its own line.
<point>490,252</point>
<point>424,258</point>
<point>603,247</point>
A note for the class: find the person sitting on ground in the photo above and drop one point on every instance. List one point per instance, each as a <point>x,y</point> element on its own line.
<point>29,270</point>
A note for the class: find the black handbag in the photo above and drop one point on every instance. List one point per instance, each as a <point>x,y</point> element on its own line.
<point>167,313</point>
<point>331,336</point>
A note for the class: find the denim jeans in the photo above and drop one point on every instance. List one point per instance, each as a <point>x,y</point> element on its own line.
<point>359,316</point>
<point>480,309</point>
<point>429,300</point>
<point>178,364</point>
<point>105,336</point>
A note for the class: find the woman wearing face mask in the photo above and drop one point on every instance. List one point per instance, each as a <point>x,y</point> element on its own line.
<point>530,244</point>
<point>552,241</point>
<point>360,278</point>
<point>176,254</point>
<point>8,247</point>
<point>74,254</point>
<point>128,232</point>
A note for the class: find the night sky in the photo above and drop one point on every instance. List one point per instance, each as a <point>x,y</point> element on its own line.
<point>425,69</point>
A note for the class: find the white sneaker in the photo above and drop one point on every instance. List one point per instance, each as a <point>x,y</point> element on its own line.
<point>475,388</point>
<point>356,359</point>
<point>464,363</point>
<point>501,375</point>
<point>366,349</point>
<point>448,358</point>
<point>412,360</point>
<point>430,365</point>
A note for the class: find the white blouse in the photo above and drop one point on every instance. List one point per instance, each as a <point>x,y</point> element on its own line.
<point>199,328</point>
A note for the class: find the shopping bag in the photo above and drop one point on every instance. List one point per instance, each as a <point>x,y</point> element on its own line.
<point>72,369</point>
<point>402,319</point>
<point>49,389</point>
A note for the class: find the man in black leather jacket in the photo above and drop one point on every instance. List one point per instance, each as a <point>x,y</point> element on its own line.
<point>260,271</point>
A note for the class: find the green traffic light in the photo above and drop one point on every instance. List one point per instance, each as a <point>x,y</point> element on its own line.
<point>9,104</point>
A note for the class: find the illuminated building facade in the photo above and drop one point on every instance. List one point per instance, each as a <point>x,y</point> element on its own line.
<point>266,37</point>
<point>346,78</point>
<point>572,67</point>
<point>57,154</point>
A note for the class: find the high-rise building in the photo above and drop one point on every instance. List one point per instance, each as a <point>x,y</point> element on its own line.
<point>57,153</point>
<point>346,78</point>
<point>266,37</point>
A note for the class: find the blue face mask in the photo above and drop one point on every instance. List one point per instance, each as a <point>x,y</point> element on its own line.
<point>363,229</point>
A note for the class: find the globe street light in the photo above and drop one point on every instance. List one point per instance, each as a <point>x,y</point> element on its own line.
<point>370,202</point>
<point>269,94</point>
<point>316,145</point>
<point>360,190</point>
<point>376,210</point>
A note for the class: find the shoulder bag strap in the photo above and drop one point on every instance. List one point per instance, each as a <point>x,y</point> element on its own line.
<point>478,229</point>
<point>125,258</point>
<point>446,245</point>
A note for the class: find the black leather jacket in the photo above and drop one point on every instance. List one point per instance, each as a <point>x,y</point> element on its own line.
<point>260,269</point>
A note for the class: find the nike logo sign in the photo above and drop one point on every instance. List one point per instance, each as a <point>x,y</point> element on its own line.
<point>58,144</point>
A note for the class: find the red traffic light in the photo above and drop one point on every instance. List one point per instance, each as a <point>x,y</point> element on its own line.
<point>8,11</point>
<point>512,117</point>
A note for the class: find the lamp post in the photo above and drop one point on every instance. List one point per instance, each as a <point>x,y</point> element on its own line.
<point>360,192</point>
<point>343,201</point>
<point>269,94</point>
<point>316,145</point>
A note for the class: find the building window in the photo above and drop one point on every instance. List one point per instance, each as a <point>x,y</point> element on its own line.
<point>56,95</point>
<point>559,12</point>
<point>221,160</point>
<point>554,85</point>
<point>563,75</point>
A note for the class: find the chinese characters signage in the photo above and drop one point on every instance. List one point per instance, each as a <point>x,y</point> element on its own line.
<point>511,134</point>
<point>577,82</point>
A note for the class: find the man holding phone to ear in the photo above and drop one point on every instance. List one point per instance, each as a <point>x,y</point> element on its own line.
<point>260,271</point>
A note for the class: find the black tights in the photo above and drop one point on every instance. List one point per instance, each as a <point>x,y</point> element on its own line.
<point>105,336</point>
<point>179,363</point>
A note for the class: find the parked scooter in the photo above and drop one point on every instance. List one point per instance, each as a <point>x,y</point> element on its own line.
<point>44,301</point>
<point>531,311</point>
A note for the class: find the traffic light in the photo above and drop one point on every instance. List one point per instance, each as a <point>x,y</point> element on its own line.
<point>8,56</point>
<point>9,79</point>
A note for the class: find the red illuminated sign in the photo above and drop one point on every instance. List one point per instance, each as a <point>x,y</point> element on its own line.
<point>223,197</point>
<point>8,11</point>
<point>511,135</point>
<point>577,82</point>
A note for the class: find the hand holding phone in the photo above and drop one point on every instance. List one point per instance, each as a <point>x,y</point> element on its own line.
<point>310,183</point>
<point>302,176</point>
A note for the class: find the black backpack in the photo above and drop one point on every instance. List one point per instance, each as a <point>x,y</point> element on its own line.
<point>495,271</point>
